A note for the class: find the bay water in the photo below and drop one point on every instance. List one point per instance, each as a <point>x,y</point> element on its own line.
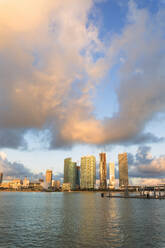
<point>79,219</point>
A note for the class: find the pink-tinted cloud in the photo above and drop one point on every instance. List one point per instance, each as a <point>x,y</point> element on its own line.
<point>48,72</point>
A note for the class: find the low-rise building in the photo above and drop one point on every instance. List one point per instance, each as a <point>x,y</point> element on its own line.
<point>56,184</point>
<point>16,184</point>
<point>26,182</point>
<point>5,185</point>
<point>66,187</point>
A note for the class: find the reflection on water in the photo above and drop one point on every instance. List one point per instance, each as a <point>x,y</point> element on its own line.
<point>79,220</point>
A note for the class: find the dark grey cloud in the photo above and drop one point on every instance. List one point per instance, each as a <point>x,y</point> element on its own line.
<point>143,165</point>
<point>12,138</point>
<point>143,138</point>
<point>13,170</point>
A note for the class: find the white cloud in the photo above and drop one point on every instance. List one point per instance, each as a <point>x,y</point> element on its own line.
<point>48,72</point>
<point>3,155</point>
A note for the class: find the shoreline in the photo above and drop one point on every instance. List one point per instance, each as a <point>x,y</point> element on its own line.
<point>60,191</point>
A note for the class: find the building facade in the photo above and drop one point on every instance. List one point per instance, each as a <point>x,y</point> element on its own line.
<point>49,177</point>
<point>66,187</point>
<point>56,184</point>
<point>112,175</point>
<point>1,177</point>
<point>123,169</point>
<point>103,171</point>
<point>77,177</point>
<point>26,182</point>
<point>88,172</point>
<point>16,183</point>
<point>70,172</point>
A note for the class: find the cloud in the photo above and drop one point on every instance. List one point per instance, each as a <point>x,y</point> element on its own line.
<point>11,138</point>
<point>59,176</point>
<point>143,138</point>
<point>147,181</point>
<point>49,70</point>
<point>143,165</point>
<point>37,74</point>
<point>15,169</point>
<point>140,95</point>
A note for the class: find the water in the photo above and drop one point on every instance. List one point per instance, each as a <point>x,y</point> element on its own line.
<point>79,220</point>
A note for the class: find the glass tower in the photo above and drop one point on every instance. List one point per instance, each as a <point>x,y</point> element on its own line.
<point>78,176</point>
<point>103,171</point>
<point>123,169</point>
<point>1,177</point>
<point>88,172</point>
<point>70,172</point>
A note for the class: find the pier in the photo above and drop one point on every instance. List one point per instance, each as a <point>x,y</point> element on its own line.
<point>146,192</point>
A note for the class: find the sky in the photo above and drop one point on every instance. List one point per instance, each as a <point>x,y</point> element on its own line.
<point>79,78</point>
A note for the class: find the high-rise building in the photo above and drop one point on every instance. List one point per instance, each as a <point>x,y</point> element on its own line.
<point>49,177</point>
<point>88,172</point>
<point>70,172</point>
<point>112,175</point>
<point>26,182</point>
<point>78,177</point>
<point>1,177</point>
<point>103,171</point>
<point>123,169</point>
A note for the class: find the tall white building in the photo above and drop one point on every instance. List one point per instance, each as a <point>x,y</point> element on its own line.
<point>112,175</point>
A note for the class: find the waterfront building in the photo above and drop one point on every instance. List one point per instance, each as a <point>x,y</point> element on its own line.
<point>123,169</point>
<point>88,172</point>
<point>16,183</point>
<point>5,185</point>
<point>70,172</point>
<point>26,182</point>
<point>56,184</point>
<point>49,177</point>
<point>112,175</point>
<point>66,187</point>
<point>77,177</point>
<point>36,185</point>
<point>1,177</point>
<point>103,171</point>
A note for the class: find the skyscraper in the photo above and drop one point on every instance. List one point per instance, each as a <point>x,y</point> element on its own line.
<point>112,175</point>
<point>103,171</point>
<point>78,176</point>
<point>123,169</point>
<point>88,172</point>
<point>1,177</point>
<point>70,172</point>
<point>49,177</point>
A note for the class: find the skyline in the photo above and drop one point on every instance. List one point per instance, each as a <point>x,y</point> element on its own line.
<point>79,79</point>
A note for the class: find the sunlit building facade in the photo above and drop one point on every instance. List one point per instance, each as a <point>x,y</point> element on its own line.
<point>49,177</point>
<point>88,172</point>
<point>70,172</point>
<point>103,171</point>
<point>26,182</point>
<point>56,184</point>
<point>112,175</point>
<point>123,169</point>
<point>66,187</point>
